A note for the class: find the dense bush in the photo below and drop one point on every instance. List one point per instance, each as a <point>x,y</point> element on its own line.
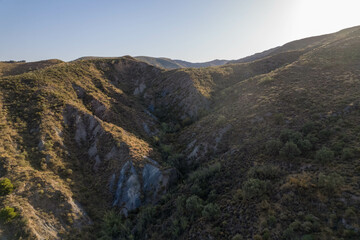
<point>264,172</point>
<point>331,182</point>
<point>304,145</point>
<point>166,150</point>
<point>313,139</point>
<point>273,147</point>
<point>204,173</point>
<point>211,211</point>
<point>338,146</point>
<point>324,134</point>
<point>308,127</point>
<point>114,227</point>
<point>194,206</point>
<point>254,188</point>
<point>271,221</point>
<point>145,217</point>
<point>288,135</point>
<point>176,160</point>
<point>178,226</point>
<point>347,154</point>
<point>6,187</point>
<point>324,155</point>
<point>290,150</point>
<point>279,118</point>
<point>180,205</point>
<point>7,214</point>
<point>237,237</point>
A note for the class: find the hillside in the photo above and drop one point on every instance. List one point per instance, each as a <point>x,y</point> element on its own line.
<point>15,68</point>
<point>303,44</point>
<point>265,147</point>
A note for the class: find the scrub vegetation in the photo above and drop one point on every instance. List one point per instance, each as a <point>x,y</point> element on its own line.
<point>266,148</point>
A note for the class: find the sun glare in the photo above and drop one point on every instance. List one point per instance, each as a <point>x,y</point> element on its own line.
<point>324,16</point>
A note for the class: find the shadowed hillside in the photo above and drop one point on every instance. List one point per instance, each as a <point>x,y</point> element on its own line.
<point>265,147</point>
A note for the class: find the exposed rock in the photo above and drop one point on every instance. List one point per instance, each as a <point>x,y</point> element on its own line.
<point>152,178</point>
<point>92,150</point>
<point>41,144</point>
<point>80,134</point>
<point>140,89</point>
<point>128,193</point>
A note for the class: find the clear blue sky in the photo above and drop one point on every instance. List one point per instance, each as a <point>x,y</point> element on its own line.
<point>193,30</point>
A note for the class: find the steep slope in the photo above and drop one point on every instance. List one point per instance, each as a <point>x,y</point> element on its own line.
<point>288,146</point>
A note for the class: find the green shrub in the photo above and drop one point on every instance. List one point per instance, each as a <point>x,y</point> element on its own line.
<point>347,154</point>
<point>145,216</point>
<point>273,147</point>
<point>324,155</point>
<point>312,138</point>
<point>288,135</point>
<point>211,211</point>
<point>279,118</point>
<point>307,226</point>
<point>288,233</point>
<point>304,145</point>
<point>197,190</point>
<point>257,237</point>
<point>264,172</point>
<point>194,206</point>
<point>290,150</point>
<point>237,237</point>
<point>295,225</point>
<point>178,226</point>
<point>315,224</point>
<point>350,215</point>
<point>254,188</point>
<point>307,237</point>
<point>7,214</point>
<point>114,227</point>
<point>266,234</point>
<point>166,150</point>
<point>6,187</point>
<point>204,173</point>
<point>338,146</point>
<point>308,127</point>
<point>331,182</point>
<point>186,121</point>
<point>271,221</point>
<point>176,160</point>
<point>324,134</point>
<point>180,204</point>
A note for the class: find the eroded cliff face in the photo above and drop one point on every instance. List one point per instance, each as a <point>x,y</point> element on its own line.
<point>120,160</point>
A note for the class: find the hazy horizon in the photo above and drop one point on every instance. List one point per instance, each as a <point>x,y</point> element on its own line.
<point>191,31</point>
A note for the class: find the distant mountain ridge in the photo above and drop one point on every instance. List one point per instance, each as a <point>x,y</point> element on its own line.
<point>167,63</point>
